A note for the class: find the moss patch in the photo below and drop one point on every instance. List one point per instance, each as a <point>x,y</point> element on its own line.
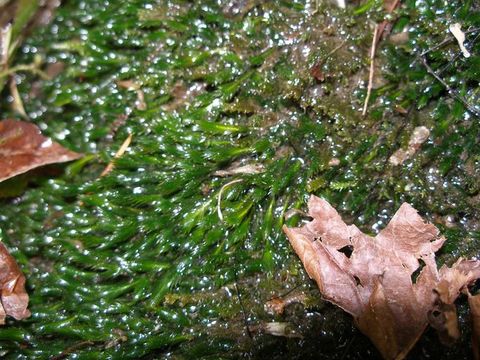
<point>137,263</point>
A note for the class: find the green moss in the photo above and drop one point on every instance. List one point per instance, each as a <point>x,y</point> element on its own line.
<point>142,252</point>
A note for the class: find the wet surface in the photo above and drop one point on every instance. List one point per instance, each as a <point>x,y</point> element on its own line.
<point>142,252</point>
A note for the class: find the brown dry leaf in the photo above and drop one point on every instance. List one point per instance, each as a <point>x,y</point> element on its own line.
<point>23,147</point>
<point>474,303</point>
<point>443,316</point>
<point>14,298</point>
<point>373,278</point>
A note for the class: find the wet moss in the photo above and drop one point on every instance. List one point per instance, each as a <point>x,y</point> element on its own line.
<point>138,263</point>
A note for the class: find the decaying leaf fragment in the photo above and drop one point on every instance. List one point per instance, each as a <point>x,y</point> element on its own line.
<point>23,147</point>
<point>456,30</point>
<point>419,136</point>
<point>443,316</point>
<point>14,298</point>
<point>474,303</point>
<point>373,278</point>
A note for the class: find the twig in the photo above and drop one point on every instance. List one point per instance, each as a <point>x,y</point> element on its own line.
<point>17,103</point>
<point>457,56</point>
<point>24,67</point>
<point>244,313</point>
<point>450,91</point>
<point>5,39</point>
<point>72,348</point>
<point>120,152</point>
<point>446,41</point>
<point>317,6</point>
<point>219,202</point>
<point>383,24</point>
<point>377,34</point>
<point>338,47</point>
<point>372,69</point>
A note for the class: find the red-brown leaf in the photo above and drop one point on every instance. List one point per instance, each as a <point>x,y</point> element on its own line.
<point>372,277</point>
<point>14,298</point>
<point>23,147</point>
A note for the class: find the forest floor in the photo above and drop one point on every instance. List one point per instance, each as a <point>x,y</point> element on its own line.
<point>238,111</point>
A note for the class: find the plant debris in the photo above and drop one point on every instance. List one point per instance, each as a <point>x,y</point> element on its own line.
<point>131,85</point>
<point>379,30</point>
<point>456,30</point>
<point>23,147</point>
<point>237,169</point>
<point>474,303</point>
<point>372,69</point>
<point>14,298</point>
<point>119,153</point>
<point>374,278</point>
<point>277,305</point>
<point>283,329</point>
<point>419,136</point>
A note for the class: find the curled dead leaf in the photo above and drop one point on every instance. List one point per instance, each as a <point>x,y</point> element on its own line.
<point>14,298</point>
<point>443,316</point>
<point>277,305</point>
<point>474,303</point>
<point>23,147</point>
<point>374,278</point>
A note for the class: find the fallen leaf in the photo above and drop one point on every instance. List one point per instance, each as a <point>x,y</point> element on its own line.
<point>373,278</point>
<point>474,303</point>
<point>14,298</point>
<point>443,316</point>
<point>23,147</point>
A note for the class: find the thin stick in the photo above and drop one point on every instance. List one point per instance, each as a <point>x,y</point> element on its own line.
<point>335,49</point>
<point>17,103</point>
<point>244,313</point>
<point>451,91</point>
<point>372,69</point>
<point>383,24</point>
<point>446,41</point>
<point>5,39</point>
<point>72,348</point>
<point>120,152</point>
<point>219,202</point>
<point>24,67</point>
